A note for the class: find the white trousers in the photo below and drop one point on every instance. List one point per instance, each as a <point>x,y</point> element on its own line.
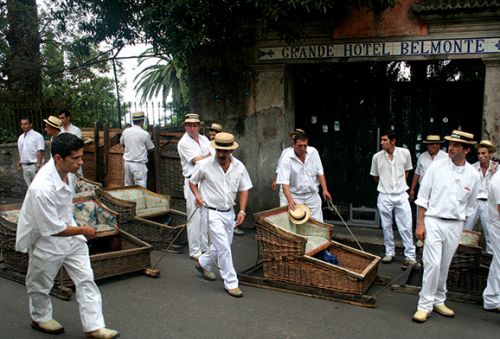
<point>480,213</point>
<point>399,206</point>
<point>221,227</point>
<point>29,172</point>
<point>42,270</point>
<point>441,241</point>
<point>196,230</point>
<point>311,200</point>
<point>491,294</point>
<point>135,174</point>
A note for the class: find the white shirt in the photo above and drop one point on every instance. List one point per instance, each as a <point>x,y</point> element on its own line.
<point>391,173</point>
<point>448,191</point>
<point>137,143</point>
<point>485,180</point>
<point>29,144</point>
<point>73,130</point>
<point>218,189</point>
<point>47,210</point>
<point>189,149</point>
<point>494,201</point>
<point>425,160</point>
<point>302,177</point>
<point>285,151</point>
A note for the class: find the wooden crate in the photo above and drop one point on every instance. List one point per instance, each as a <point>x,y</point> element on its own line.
<point>288,255</point>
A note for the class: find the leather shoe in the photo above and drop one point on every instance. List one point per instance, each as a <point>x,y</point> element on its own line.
<point>387,259</point>
<point>51,327</point>
<point>207,275</point>
<point>444,310</point>
<point>494,310</point>
<point>421,316</point>
<point>234,292</point>
<point>103,333</point>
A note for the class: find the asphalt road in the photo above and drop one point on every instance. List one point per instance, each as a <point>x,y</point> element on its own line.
<point>180,304</point>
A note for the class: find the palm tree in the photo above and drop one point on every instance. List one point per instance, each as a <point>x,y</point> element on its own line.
<point>160,78</point>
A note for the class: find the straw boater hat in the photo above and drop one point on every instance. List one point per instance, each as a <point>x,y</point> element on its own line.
<point>433,139</point>
<point>488,144</point>
<point>224,141</point>
<point>53,121</point>
<point>138,116</point>
<point>191,117</point>
<point>300,214</point>
<point>295,131</point>
<point>461,137</point>
<point>216,127</point>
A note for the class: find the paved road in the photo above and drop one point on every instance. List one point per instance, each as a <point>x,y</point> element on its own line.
<point>179,304</point>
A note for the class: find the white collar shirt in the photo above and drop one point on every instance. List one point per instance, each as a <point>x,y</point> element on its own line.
<point>425,160</point>
<point>282,155</point>
<point>485,180</point>
<point>494,201</point>
<point>391,173</point>
<point>137,143</point>
<point>301,177</point>
<point>73,130</point>
<point>449,191</point>
<point>218,189</point>
<point>189,149</point>
<point>47,210</point>
<point>29,144</point>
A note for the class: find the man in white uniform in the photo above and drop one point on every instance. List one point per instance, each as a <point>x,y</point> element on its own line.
<point>67,126</point>
<point>137,143</point>
<point>192,148</point>
<point>491,294</point>
<point>47,230</point>
<point>215,184</point>
<point>446,196</point>
<point>389,169</point>
<point>486,168</point>
<point>300,173</point>
<point>30,145</point>
<point>425,159</point>
<point>274,185</point>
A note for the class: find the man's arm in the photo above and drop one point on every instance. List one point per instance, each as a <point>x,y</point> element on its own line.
<point>375,178</point>
<point>88,231</point>
<point>200,157</point>
<point>240,218</point>
<point>196,192</point>
<point>324,187</point>
<point>288,196</point>
<point>420,230</point>
<point>39,159</point>
<point>414,183</point>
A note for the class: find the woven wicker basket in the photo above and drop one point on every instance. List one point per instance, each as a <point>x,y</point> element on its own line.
<point>468,253</point>
<point>171,178</point>
<point>285,259</point>
<point>116,173</point>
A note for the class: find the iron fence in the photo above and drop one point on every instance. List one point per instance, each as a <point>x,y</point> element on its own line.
<point>157,114</point>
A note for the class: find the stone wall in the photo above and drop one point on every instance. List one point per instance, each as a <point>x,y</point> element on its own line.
<point>11,181</point>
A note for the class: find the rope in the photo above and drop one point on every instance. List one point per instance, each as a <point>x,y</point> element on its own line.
<point>333,208</point>
<point>165,251</point>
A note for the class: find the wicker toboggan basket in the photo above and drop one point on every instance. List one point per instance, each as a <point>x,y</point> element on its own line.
<point>288,257</point>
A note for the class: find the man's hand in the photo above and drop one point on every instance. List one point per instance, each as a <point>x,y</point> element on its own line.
<point>274,186</point>
<point>19,167</point>
<point>291,204</point>
<point>199,201</point>
<point>411,195</point>
<point>420,232</point>
<point>88,231</point>
<point>240,219</point>
<point>327,196</point>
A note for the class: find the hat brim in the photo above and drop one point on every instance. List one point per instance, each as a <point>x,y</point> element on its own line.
<point>51,124</point>
<point>303,220</point>
<point>450,138</point>
<point>192,121</point>
<point>490,148</point>
<point>433,141</point>
<point>226,148</point>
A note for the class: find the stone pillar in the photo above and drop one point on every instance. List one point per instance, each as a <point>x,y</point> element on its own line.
<point>491,106</point>
<point>273,119</point>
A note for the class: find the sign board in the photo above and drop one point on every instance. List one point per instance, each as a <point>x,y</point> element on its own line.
<point>405,48</point>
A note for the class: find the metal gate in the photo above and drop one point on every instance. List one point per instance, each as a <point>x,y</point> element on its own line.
<point>345,106</point>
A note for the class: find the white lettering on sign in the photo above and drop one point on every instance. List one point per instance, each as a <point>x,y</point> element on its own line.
<point>465,46</point>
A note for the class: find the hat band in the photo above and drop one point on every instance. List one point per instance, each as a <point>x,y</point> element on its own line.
<point>224,144</point>
<point>302,217</point>
<point>461,137</point>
